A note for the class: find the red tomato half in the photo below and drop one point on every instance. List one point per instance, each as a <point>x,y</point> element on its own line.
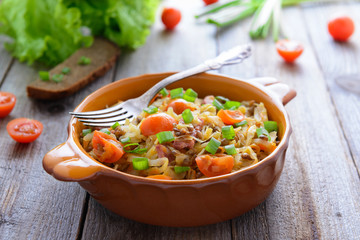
<point>24,130</point>
<point>107,148</point>
<point>170,17</point>
<point>341,28</point>
<point>208,2</point>
<point>7,103</point>
<point>230,117</point>
<point>289,50</point>
<point>156,123</point>
<point>216,165</point>
<point>179,105</point>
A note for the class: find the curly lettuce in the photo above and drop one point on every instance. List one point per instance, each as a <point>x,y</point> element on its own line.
<point>49,31</point>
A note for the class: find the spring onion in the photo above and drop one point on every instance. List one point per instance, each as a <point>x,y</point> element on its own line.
<point>222,99</point>
<point>190,95</point>
<point>151,109</point>
<point>177,93</point>
<point>66,70</point>
<point>105,130</point>
<point>125,140</point>
<point>242,123</point>
<point>115,125</point>
<point>232,105</point>
<point>86,131</point>
<point>140,163</point>
<point>57,78</point>
<point>187,116</point>
<point>84,60</point>
<point>44,75</point>
<point>271,126</point>
<point>264,132</point>
<point>217,104</point>
<point>228,132</point>
<point>136,150</point>
<point>230,149</point>
<point>166,136</point>
<point>180,169</point>
<point>212,146</point>
<point>164,92</point>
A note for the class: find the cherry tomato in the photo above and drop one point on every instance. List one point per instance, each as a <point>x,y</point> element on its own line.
<point>179,105</point>
<point>106,147</point>
<point>24,130</point>
<point>265,145</point>
<point>230,116</point>
<point>341,28</point>
<point>216,165</point>
<point>170,17</point>
<point>208,2</point>
<point>289,50</point>
<point>156,123</point>
<point>163,177</point>
<point>7,103</point>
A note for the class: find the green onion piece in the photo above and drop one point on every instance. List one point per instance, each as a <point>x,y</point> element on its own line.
<point>262,131</point>
<point>66,70</point>
<point>44,75</point>
<point>139,150</point>
<point>129,145</point>
<point>57,78</point>
<point>140,163</point>
<point>232,105</point>
<point>242,123</point>
<point>222,99</point>
<point>230,149</point>
<point>187,116</point>
<point>212,146</point>
<point>115,125</point>
<point>166,136</point>
<point>180,169</point>
<point>105,130</point>
<point>84,60</point>
<point>86,131</point>
<point>177,93</point>
<point>190,95</point>
<point>125,140</point>
<point>164,92</point>
<point>217,104</point>
<point>228,132</point>
<point>151,109</point>
<point>271,126</point>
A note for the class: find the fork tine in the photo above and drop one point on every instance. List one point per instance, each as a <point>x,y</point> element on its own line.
<point>106,120</point>
<point>103,111</point>
<point>108,115</point>
<point>103,124</point>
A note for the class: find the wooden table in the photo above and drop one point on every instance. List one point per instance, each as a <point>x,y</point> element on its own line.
<point>318,194</point>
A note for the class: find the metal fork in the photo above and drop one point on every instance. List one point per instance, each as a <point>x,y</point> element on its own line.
<point>133,107</point>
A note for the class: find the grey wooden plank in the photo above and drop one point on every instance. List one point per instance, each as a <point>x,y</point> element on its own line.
<point>185,47</point>
<point>34,204</point>
<point>5,59</point>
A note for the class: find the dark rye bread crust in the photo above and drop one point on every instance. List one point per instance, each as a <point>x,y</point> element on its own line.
<point>103,55</point>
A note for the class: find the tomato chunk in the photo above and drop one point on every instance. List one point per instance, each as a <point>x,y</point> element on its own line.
<point>289,50</point>
<point>24,130</point>
<point>230,116</point>
<point>156,123</point>
<point>7,103</point>
<point>216,165</point>
<point>107,148</point>
<point>180,105</point>
<point>170,17</point>
<point>341,28</point>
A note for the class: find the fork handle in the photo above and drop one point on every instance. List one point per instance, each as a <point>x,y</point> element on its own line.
<point>231,56</point>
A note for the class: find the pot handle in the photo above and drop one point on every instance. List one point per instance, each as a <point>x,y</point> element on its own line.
<point>281,90</point>
<point>63,164</point>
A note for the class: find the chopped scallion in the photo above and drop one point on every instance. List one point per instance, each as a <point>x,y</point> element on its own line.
<point>86,131</point>
<point>151,109</point>
<point>230,149</point>
<point>177,93</point>
<point>140,163</point>
<point>242,123</point>
<point>136,150</point>
<point>166,136</point>
<point>222,99</point>
<point>262,131</point>
<point>212,146</point>
<point>164,92</point>
<point>115,125</point>
<point>228,132</point>
<point>187,116</point>
<point>125,140</point>
<point>190,95</point>
<point>232,105</point>
<point>44,75</point>
<point>66,70</point>
<point>105,130</point>
<point>271,126</point>
<point>57,78</point>
<point>84,60</point>
<point>180,169</point>
<point>217,104</point>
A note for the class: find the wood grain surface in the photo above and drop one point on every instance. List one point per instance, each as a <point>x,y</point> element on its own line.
<point>318,194</point>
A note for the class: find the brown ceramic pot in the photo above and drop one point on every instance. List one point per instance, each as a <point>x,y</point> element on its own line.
<point>176,202</point>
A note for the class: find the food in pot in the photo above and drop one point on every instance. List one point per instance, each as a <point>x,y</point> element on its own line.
<point>180,136</point>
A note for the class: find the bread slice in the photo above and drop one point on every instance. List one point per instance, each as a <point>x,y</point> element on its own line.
<point>103,55</point>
